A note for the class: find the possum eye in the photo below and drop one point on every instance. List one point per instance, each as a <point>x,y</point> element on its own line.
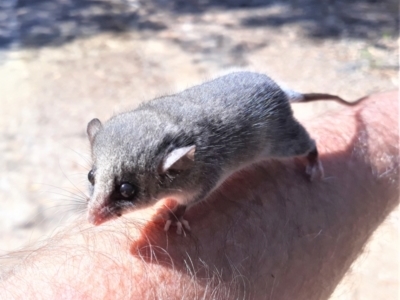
<point>90,177</point>
<point>127,190</point>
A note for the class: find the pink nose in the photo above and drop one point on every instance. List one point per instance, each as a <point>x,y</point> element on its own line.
<point>98,216</point>
<point>95,219</point>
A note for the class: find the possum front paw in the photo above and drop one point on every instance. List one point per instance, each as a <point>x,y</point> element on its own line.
<point>175,218</point>
<point>181,223</point>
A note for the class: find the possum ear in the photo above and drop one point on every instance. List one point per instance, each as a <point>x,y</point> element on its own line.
<point>178,160</point>
<point>92,129</point>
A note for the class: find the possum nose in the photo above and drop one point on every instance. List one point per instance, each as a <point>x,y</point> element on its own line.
<point>99,214</point>
<point>95,218</point>
<point>98,210</point>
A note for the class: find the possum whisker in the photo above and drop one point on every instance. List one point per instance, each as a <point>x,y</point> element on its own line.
<point>78,189</point>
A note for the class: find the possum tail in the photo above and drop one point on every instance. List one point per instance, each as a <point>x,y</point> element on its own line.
<point>297,97</point>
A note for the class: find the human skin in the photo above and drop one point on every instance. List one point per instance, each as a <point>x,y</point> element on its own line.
<point>267,233</point>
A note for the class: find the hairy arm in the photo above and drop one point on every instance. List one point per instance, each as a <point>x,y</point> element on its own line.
<point>267,233</point>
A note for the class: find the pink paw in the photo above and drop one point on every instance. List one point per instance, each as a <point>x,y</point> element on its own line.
<point>180,224</point>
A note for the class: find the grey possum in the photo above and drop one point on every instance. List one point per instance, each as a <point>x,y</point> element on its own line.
<point>184,146</point>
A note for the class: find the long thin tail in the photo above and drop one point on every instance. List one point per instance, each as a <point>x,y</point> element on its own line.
<point>297,97</point>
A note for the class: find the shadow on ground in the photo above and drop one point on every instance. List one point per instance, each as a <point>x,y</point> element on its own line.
<point>38,23</point>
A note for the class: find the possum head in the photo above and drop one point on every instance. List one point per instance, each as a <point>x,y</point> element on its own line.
<point>135,164</point>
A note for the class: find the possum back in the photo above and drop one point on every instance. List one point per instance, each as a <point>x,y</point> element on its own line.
<point>229,115</point>
<point>225,98</point>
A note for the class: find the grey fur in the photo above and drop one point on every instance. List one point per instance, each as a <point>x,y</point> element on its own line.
<point>232,121</point>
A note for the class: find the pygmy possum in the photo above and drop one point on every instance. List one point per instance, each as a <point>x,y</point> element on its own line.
<point>183,146</point>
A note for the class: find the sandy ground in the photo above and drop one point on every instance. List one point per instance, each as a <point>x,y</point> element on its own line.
<point>92,61</point>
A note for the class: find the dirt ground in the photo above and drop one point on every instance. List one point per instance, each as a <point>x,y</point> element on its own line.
<point>65,62</point>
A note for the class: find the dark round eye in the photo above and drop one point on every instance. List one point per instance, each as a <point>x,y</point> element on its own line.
<point>127,190</point>
<point>90,177</point>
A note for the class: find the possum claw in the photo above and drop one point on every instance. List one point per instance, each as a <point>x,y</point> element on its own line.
<point>175,217</point>
<point>180,224</point>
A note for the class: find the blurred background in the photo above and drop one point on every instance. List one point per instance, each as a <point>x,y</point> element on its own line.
<point>64,62</point>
